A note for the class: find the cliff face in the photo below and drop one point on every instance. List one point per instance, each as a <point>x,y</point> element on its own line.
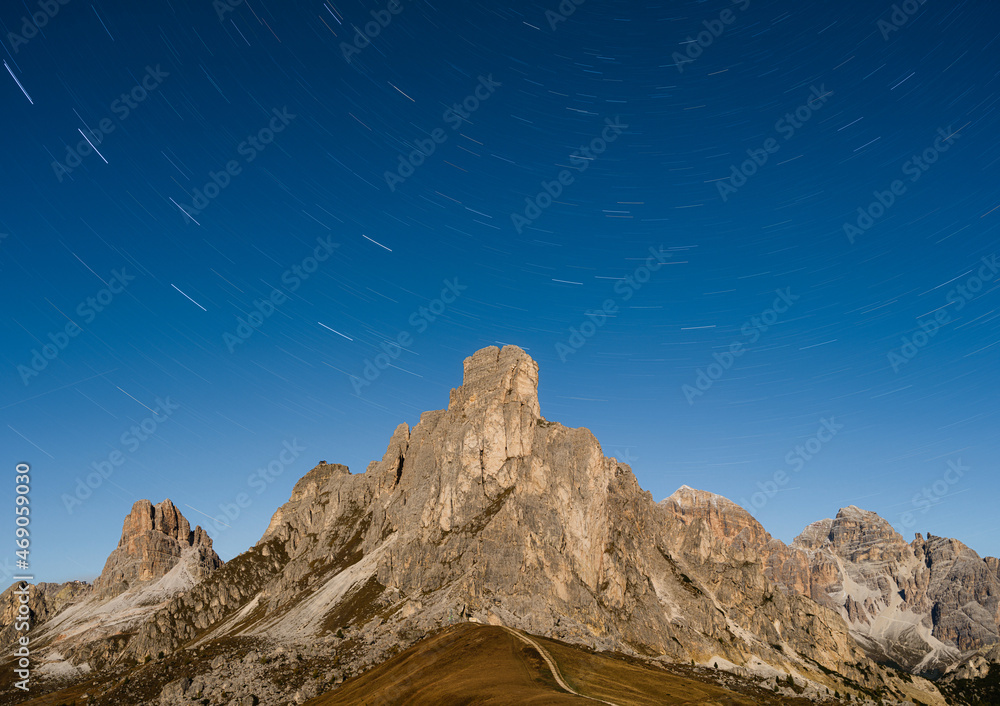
<point>153,539</point>
<point>963,590</point>
<point>83,626</point>
<point>486,510</point>
<point>44,601</point>
<point>921,605</point>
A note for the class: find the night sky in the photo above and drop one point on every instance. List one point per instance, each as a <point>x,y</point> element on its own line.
<point>750,245</point>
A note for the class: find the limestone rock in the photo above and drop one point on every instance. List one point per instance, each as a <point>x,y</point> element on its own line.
<point>175,692</point>
<point>153,539</point>
<point>965,593</point>
<point>487,510</point>
<point>43,600</point>
<point>920,604</point>
<point>976,665</point>
<point>77,627</point>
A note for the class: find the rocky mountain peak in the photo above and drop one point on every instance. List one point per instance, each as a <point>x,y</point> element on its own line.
<point>722,519</point>
<point>920,603</point>
<point>688,497</point>
<point>814,536</point>
<point>507,376</point>
<point>154,539</point>
<point>861,535</point>
<point>164,518</point>
<point>487,511</point>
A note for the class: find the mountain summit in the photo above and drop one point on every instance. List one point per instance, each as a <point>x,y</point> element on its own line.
<point>154,539</point>
<point>487,512</point>
<point>505,376</point>
<point>81,627</point>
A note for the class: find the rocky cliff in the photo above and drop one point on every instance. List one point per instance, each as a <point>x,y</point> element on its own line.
<point>44,600</point>
<point>154,537</point>
<point>76,627</point>
<point>487,511</point>
<point>921,605</point>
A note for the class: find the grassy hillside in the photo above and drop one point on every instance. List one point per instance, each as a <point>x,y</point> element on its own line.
<point>479,664</point>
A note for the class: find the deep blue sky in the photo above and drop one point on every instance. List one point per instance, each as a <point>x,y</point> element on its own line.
<point>656,185</point>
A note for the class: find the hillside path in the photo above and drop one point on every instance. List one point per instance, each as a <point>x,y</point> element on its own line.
<point>552,666</point>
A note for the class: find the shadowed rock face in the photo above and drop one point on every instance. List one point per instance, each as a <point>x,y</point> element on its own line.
<point>153,539</point>
<point>964,590</point>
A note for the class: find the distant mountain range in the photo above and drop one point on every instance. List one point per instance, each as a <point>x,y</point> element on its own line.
<point>487,514</point>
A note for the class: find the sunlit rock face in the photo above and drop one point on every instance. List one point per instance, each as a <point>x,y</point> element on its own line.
<point>153,539</point>
<point>485,510</point>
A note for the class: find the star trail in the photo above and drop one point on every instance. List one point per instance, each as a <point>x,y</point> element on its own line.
<point>751,245</point>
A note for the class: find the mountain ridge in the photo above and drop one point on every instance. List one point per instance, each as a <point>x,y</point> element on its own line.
<point>487,511</point>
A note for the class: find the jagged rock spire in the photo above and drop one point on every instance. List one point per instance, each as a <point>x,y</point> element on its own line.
<point>508,376</point>
<point>152,542</point>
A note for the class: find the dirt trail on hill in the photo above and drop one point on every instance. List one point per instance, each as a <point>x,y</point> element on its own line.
<point>552,666</point>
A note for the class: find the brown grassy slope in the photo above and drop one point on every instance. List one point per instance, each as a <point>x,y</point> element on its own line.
<point>464,664</point>
<point>479,664</point>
